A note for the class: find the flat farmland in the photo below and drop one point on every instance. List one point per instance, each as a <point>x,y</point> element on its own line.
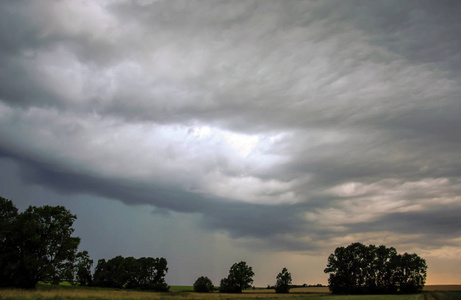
<point>439,292</point>
<point>446,288</point>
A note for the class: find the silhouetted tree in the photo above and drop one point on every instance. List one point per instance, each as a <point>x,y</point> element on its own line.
<point>101,274</point>
<point>203,285</point>
<point>152,272</point>
<point>111,273</point>
<point>359,269</point>
<point>82,268</point>
<point>283,282</point>
<point>240,277</point>
<point>410,273</point>
<point>36,244</point>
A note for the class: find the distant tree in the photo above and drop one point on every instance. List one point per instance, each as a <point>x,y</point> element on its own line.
<point>203,285</point>
<point>36,244</point>
<point>111,273</point>
<point>360,269</point>
<point>283,282</point>
<point>152,273</point>
<point>240,277</point>
<point>82,268</point>
<point>101,274</point>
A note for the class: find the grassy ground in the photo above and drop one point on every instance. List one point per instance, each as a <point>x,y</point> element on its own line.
<point>184,292</point>
<point>183,288</point>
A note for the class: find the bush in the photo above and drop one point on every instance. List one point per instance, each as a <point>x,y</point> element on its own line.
<point>228,286</point>
<point>203,285</point>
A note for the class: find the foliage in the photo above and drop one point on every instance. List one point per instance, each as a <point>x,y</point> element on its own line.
<point>283,282</point>
<point>82,268</point>
<point>240,277</point>
<point>144,273</point>
<point>8,213</point>
<point>36,244</point>
<point>359,269</point>
<point>226,286</point>
<point>203,285</point>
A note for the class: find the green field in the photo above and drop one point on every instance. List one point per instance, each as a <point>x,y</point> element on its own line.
<point>181,288</point>
<point>185,292</point>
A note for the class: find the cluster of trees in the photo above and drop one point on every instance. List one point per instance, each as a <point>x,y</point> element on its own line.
<point>145,273</point>
<point>360,269</point>
<point>37,245</point>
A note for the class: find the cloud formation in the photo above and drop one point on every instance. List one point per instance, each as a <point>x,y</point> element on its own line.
<point>290,124</point>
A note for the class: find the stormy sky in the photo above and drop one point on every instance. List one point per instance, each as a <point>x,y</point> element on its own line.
<point>210,132</point>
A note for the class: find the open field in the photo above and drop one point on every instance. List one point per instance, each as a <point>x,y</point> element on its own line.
<point>448,287</point>
<point>448,292</point>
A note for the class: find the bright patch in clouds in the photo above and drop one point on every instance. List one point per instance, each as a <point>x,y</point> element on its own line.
<point>239,144</point>
<point>210,159</point>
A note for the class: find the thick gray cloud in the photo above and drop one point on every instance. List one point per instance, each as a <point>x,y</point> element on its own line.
<point>289,126</point>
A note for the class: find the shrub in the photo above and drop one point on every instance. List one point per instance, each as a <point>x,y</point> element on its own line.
<point>203,285</point>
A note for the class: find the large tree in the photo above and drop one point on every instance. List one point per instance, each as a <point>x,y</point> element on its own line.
<point>358,269</point>
<point>37,244</point>
<point>240,277</point>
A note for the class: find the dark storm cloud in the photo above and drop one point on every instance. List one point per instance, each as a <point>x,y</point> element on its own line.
<point>264,117</point>
<point>435,226</point>
<point>421,31</point>
<point>20,33</point>
<point>240,219</point>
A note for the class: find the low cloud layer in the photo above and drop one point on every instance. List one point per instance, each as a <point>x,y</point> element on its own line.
<point>290,125</point>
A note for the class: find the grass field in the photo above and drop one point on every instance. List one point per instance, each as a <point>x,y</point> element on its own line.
<point>183,288</point>
<point>184,292</point>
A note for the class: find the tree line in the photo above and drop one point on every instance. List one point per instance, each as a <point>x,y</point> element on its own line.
<point>145,273</point>
<point>37,245</point>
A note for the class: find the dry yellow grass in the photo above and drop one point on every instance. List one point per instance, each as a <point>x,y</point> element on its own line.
<point>444,288</point>
<point>303,290</point>
<point>94,293</point>
<point>88,293</point>
<point>74,294</point>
